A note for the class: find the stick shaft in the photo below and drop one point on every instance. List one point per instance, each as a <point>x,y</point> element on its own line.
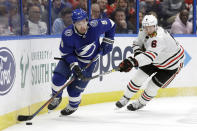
<point>49,101</point>
<point>105,73</point>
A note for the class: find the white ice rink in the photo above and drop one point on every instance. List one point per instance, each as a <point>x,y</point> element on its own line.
<point>163,114</point>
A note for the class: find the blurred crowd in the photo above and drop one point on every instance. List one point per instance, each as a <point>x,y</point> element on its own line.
<point>176,16</point>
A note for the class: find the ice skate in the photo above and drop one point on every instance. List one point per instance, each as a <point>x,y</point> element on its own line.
<point>68,110</point>
<point>55,102</point>
<point>122,102</point>
<point>135,106</point>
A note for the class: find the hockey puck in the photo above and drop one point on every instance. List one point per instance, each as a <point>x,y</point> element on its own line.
<point>28,123</point>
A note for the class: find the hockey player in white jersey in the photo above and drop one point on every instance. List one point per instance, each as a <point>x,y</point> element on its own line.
<point>155,52</point>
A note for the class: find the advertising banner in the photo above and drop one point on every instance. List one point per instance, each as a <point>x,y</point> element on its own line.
<point>26,69</point>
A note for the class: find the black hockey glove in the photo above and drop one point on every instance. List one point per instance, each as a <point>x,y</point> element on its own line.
<point>127,64</point>
<point>78,72</point>
<point>105,48</point>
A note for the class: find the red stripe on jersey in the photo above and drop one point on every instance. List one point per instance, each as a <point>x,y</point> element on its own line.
<point>172,60</point>
<point>136,89</point>
<point>146,97</point>
<point>151,54</point>
<point>168,82</point>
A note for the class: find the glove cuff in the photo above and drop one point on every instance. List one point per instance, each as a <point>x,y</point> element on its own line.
<point>72,65</point>
<point>133,61</point>
<point>108,40</point>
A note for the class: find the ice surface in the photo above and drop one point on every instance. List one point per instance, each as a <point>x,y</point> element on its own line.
<point>163,114</point>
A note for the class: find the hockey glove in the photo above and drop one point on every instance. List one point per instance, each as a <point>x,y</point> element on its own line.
<point>127,64</point>
<point>78,72</point>
<point>105,48</point>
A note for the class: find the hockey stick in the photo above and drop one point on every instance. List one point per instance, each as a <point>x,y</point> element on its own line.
<point>29,117</point>
<point>105,73</point>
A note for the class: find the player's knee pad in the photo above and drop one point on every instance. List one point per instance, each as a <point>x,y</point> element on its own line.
<point>149,93</point>
<point>74,90</point>
<point>58,79</point>
<point>139,77</point>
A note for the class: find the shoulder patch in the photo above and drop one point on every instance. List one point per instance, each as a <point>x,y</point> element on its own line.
<point>104,22</point>
<point>94,23</point>
<point>68,32</point>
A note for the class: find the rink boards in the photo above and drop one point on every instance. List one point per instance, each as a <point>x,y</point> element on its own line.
<point>26,68</point>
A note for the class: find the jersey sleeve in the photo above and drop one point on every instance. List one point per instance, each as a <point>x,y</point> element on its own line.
<point>107,26</point>
<point>138,43</point>
<point>151,53</point>
<point>67,48</point>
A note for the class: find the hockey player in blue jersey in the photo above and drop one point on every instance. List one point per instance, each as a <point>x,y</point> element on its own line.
<point>80,44</point>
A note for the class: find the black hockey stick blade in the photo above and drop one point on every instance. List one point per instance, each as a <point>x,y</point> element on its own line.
<point>24,117</point>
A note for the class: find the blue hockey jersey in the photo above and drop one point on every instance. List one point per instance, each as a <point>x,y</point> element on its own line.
<point>75,47</point>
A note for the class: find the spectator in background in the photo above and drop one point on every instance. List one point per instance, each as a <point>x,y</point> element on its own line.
<point>111,7</point>
<point>124,5</point>
<point>74,3</point>
<point>66,4</point>
<point>189,7</point>
<point>61,23</point>
<point>132,24</point>
<point>141,16</point>
<point>34,25</point>
<point>95,11</point>
<point>132,7</point>
<point>152,6</point>
<point>55,12</point>
<point>14,18</point>
<point>4,27</point>
<point>102,4</point>
<point>120,20</point>
<point>82,4</point>
<point>181,24</point>
<point>170,8</point>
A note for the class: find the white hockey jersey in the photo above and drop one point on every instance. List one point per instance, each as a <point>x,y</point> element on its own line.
<point>160,49</point>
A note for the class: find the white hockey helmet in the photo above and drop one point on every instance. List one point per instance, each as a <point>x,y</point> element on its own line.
<point>149,20</point>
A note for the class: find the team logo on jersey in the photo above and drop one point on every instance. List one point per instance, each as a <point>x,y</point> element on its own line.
<point>104,22</point>
<point>68,32</point>
<point>154,44</point>
<point>86,51</point>
<point>94,23</point>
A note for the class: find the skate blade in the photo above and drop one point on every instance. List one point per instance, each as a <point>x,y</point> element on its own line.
<point>49,111</point>
<point>117,108</point>
<point>62,115</point>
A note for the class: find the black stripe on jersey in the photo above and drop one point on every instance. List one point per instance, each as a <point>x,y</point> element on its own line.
<point>130,89</point>
<point>148,56</point>
<point>175,62</point>
<point>171,57</point>
<point>134,84</point>
<point>153,52</point>
<point>148,95</point>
